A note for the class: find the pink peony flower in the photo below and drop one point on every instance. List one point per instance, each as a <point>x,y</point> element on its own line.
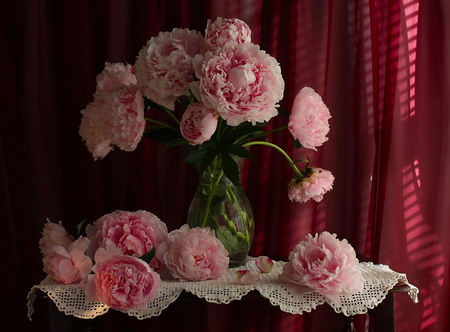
<point>225,32</point>
<point>247,277</point>
<point>264,264</point>
<point>194,254</point>
<point>309,119</point>
<point>198,123</point>
<point>69,265</point>
<point>242,83</point>
<point>164,66</point>
<point>54,234</point>
<point>113,119</point>
<point>113,76</point>
<point>125,282</point>
<point>313,186</point>
<point>325,264</point>
<point>134,233</point>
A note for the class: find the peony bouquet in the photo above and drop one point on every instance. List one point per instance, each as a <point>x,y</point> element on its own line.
<point>213,94</point>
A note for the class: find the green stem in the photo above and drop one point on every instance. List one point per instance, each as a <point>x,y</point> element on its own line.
<point>276,147</point>
<point>161,123</point>
<point>252,136</point>
<point>171,115</point>
<point>276,130</point>
<point>210,197</point>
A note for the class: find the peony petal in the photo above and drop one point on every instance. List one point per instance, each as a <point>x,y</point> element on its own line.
<point>246,277</point>
<point>264,264</point>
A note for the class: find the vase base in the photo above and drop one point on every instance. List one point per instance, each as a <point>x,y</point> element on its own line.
<point>238,260</point>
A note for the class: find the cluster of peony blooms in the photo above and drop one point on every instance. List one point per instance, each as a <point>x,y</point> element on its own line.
<point>118,260</point>
<point>209,87</point>
<point>115,265</point>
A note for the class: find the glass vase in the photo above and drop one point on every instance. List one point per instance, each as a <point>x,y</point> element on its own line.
<point>224,207</point>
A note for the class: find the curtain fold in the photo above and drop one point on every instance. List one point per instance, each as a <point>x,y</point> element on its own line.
<point>383,69</point>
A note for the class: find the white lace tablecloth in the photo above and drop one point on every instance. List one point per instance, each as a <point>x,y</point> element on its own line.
<point>378,281</point>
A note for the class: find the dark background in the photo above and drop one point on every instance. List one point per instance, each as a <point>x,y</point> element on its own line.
<point>382,67</point>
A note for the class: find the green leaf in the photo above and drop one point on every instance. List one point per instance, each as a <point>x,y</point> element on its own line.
<point>284,112</point>
<point>148,256</point>
<point>302,161</point>
<point>196,156</point>
<point>208,158</point>
<point>230,168</point>
<point>307,171</point>
<point>243,130</point>
<point>239,150</point>
<point>176,142</point>
<point>80,227</point>
<point>297,144</point>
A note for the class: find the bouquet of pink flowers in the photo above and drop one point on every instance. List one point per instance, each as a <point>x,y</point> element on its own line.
<point>215,94</point>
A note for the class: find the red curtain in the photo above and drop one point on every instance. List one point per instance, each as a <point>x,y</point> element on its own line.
<point>383,68</point>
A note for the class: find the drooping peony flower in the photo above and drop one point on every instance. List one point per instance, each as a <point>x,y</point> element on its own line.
<point>309,119</point>
<point>54,234</point>
<point>124,282</point>
<point>198,123</point>
<point>325,264</point>
<point>313,186</point>
<point>113,76</point>
<point>113,119</point>
<point>264,264</point>
<point>242,83</point>
<point>246,277</point>
<point>194,254</point>
<point>69,265</point>
<point>134,233</point>
<point>225,32</point>
<point>164,65</point>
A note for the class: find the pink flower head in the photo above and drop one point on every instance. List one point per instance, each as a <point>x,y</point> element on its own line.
<point>134,233</point>
<point>125,282</point>
<point>264,264</point>
<point>113,76</point>
<point>313,186</point>
<point>54,234</point>
<point>325,264</point>
<point>309,119</point>
<point>194,254</point>
<point>198,123</point>
<point>247,277</point>
<point>242,83</point>
<point>69,265</point>
<point>113,119</point>
<point>225,32</point>
<point>164,66</point>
